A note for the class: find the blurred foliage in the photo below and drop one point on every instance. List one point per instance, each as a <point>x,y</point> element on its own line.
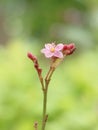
<point>50,20</point>
<point>73,92</point>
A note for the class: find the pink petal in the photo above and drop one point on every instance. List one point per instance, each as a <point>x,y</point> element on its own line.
<point>49,54</point>
<point>48,46</point>
<point>58,54</point>
<point>44,50</point>
<point>59,47</point>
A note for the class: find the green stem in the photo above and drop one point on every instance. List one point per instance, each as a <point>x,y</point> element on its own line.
<point>45,90</point>
<point>44,109</point>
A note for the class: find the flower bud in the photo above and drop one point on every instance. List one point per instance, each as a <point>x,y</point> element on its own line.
<point>35,61</point>
<point>31,56</point>
<point>71,46</point>
<point>69,49</point>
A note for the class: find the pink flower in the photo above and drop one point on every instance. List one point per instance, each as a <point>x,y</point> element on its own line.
<point>52,50</point>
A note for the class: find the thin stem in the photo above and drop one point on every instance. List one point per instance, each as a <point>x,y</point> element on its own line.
<point>45,91</point>
<point>46,78</point>
<point>41,81</point>
<point>44,109</point>
<point>50,75</point>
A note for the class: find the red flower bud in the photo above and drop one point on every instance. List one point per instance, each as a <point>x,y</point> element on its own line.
<point>65,47</point>
<point>71,46</point>
<point>69,49</point>
<point>31,56</point>
<point>35,61</point>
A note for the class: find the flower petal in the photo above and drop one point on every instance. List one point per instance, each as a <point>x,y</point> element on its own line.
<point>58,54</point>
<point>49,54</point>
<point>48,46</point>
<point>44,50</point>
<point>59,47</point>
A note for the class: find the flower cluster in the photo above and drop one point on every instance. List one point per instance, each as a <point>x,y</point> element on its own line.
<point>54,52</point>
<point>58,51</point>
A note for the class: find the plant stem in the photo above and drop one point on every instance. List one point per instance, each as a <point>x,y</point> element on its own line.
<point>45,91</point>
<point>44,109</point>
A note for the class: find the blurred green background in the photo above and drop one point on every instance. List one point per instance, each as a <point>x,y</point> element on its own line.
<point>26,25</point>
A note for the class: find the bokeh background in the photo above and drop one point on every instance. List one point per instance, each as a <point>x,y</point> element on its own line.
<point>26,25</point>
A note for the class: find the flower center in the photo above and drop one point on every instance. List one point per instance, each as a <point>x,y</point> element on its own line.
<point>52,49</point>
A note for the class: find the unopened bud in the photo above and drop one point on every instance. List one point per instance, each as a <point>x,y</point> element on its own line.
<point>35,61</point>
<point>65,47</point>
<point>71,46</point>
<point>31,56</point>
<point>69,49</point>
